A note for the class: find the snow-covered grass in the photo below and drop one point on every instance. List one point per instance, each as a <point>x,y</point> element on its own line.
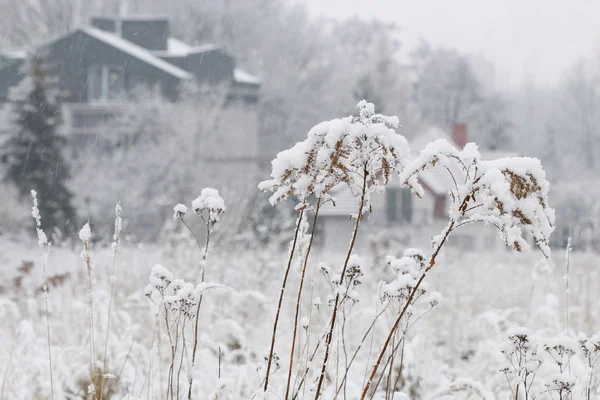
<point>484,295</point>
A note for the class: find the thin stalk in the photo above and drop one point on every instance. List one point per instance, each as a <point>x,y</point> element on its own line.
<point>112,291</point>
<point>329,336</point>
<point>10,356</point>
<point>391,371</point>
<point>305,374</point>
<point>364,338</point>
<point>219,375</point>
<point>204,255</point>
<point>135,374</point>
<point>394,350</point>
<point>88,263</point>
<point>308,333</point>
<point>47,325</point>
<point>401,315</point>
<point>181,359</point>
<point>282,291</point>
<point>43,242</point>
<point>345,352</point>
<point>312,236</point>
<point>399,376</point>
<point>110,394</point>
<point>173,350</point>
<point>568,259</point>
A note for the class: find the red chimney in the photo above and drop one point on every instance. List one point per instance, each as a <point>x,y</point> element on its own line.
<point>459,134</point>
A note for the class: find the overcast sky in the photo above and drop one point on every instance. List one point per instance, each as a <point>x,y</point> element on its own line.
<point>524,39</point>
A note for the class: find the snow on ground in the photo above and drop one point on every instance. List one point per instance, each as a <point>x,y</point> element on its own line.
<point>483,296</point>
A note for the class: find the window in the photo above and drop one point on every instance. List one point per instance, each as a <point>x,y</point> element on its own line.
<point>407,205</point>
<point>398,205</point>
<point>440,207</point>
<point>391,205</point>
<point>105,82</point>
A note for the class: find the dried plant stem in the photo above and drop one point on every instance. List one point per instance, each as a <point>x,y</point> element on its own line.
<point>173,350</point>
<point>391,370</point>
<point>88,262</point>
<point>110,394</point>
<point>110,299</point>
<point>567,262</point>
<point>10,356</point>
<point>47,315</point>
<point>329,336</point>
<point>181,358</point>
<point>44,244</point>
<point>408,302</point>
<point>364,338</point>
<point>299,297</point>
<point>394,350</point>
<point>399,375</point>
<point>305,373</point>
<point>282,291</point>
<point>196,323</point>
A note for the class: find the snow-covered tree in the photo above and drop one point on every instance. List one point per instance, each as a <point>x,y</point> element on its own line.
<point>449,89</point>
<point>32,147</point>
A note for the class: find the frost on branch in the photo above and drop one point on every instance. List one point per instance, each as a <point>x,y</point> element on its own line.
<point>509,193</point>
<point>346,151</point>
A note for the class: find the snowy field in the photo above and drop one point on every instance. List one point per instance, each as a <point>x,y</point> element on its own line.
<point>205,315</point>
<point>484,295</point>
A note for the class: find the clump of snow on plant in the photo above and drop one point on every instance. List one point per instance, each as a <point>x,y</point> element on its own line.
<point>408,270</point>
<point>179,211</point>
<point>509,193</point>
<point>85,234</point>
<point>177,295</point>
<point>210,201</point>
<point>35,213</point>
<point>354,151</point>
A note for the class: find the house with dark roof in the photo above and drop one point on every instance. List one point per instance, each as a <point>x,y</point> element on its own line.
<point>397,210</point>
<point>95,65</point>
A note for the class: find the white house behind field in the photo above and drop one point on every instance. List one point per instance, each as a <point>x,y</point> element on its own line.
<point>400,214</point>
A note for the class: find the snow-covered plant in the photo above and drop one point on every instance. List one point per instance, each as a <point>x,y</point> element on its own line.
<point>115,249</point>
<point>561,350</point>
<point>523,362</point>
<point>179,297</point>
<point>209,205</point>
<point>509,193</point>
<point>85,235</point>
<point>361,153</point>
<point>178,300</point>
<point>45,247</point>
<point>590,347</point>
<point>408,269</point>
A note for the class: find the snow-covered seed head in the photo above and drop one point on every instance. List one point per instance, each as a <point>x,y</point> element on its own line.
<point>346,151</point>
<point>509,193</point>
<point>179,211</point>
<point>304,322</point>
<point>211,203</point>
<point>160,279</point>
<point>353,272</point>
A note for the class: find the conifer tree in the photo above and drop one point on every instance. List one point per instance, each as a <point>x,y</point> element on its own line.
<point>32,149</point>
